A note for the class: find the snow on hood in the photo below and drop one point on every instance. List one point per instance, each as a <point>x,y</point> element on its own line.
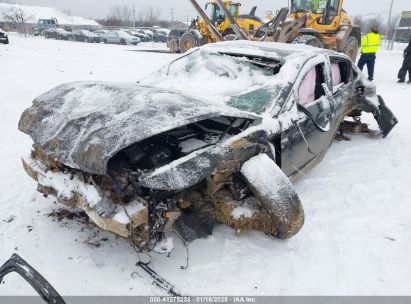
<point>84,124</point>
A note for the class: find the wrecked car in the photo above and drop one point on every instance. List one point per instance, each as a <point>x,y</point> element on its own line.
<point>216,136</point>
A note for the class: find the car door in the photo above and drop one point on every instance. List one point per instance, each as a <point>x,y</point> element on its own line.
<point>304,143</point>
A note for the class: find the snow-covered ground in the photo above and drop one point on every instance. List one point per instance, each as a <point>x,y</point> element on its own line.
<point>356,239</point>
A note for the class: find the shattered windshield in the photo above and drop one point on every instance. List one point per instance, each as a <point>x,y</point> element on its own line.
<point>244,82</point>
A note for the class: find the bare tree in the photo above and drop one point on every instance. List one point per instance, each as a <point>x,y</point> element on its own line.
<point>149,16</point>
<point>377,22</point>
<point>17,16</point>
<point>67,12</point>
<point>359,21</point>
<point>119,16</point>
<point>391,26</point>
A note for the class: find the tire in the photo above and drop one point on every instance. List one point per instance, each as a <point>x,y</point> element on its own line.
<point>351,48</point>
<point>105,41</point>
<point>123,42</point>
<point>187,42</point>
<point>308,40</point>
<point>7,41</point>
<point>87,40</point>
<point>276,196</point>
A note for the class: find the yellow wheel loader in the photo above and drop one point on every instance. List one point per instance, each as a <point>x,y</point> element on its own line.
<point>214,25</point>
<point>319,23</point>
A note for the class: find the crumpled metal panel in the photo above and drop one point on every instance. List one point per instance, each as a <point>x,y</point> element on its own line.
<point>84,124</point>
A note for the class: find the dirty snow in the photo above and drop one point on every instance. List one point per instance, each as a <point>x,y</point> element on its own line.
<point>242,212</point>
<point>66,184</point>
<point>132,208</point>
<point>355,241</point>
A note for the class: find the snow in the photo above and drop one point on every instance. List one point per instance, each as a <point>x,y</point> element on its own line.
<point>132,208</point>
<point>357,202</point>
<point>242,212</point>
<point>66,184</point>
<point>34,13</point>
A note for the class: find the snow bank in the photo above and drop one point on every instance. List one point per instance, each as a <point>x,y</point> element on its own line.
<point>34,13</point>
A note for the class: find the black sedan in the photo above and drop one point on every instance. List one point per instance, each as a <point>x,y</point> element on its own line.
<point>84,36</point>
<point>4,38</point>
<point>216,136</point>
<point>57,33</point>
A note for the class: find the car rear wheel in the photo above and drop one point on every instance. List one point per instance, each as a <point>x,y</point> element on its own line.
<point>308,40</point>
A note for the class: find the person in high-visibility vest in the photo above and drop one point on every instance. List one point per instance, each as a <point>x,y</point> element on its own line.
<point>369,49</point>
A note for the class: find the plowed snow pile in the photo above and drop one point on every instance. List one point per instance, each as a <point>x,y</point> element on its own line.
<point>356,239</point>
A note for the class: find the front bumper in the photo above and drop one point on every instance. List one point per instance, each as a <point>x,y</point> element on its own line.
<point>74,192</point>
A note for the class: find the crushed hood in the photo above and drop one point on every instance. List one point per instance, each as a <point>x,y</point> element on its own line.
<point>84,124</point>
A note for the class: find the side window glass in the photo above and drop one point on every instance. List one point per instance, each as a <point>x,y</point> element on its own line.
<point>311,88</point>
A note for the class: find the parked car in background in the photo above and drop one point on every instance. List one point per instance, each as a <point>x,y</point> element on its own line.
<point>57,33</point>
<point>4,38</point>
<point>44,24</point>
<point>149,33</point>
<point>85,36</point>
<point>160,35</point>
<point>100,32</point>
<point>142,36</point>
<point>119,37</point>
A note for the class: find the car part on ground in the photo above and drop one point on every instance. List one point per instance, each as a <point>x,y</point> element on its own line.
<point>4,37</point>
<point>143,159</point>
<point>35,279</point>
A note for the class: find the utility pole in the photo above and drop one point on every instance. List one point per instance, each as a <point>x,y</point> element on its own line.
<point>172,14</point>
<point>389,22</point>
<point>134,16</point>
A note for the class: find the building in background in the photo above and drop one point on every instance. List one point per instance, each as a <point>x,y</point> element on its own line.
<point>22,18</point>
<point>404,28</point>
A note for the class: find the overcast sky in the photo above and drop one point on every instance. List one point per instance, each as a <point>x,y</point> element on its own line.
<point>183,8</point>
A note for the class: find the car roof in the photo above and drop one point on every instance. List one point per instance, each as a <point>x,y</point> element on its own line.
<point>269,50</point>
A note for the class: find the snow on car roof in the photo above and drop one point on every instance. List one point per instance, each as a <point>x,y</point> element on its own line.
<point>270,50</point>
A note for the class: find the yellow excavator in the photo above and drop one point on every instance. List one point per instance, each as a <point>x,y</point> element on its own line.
<point>319,23</point>
<point>213,25</point>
